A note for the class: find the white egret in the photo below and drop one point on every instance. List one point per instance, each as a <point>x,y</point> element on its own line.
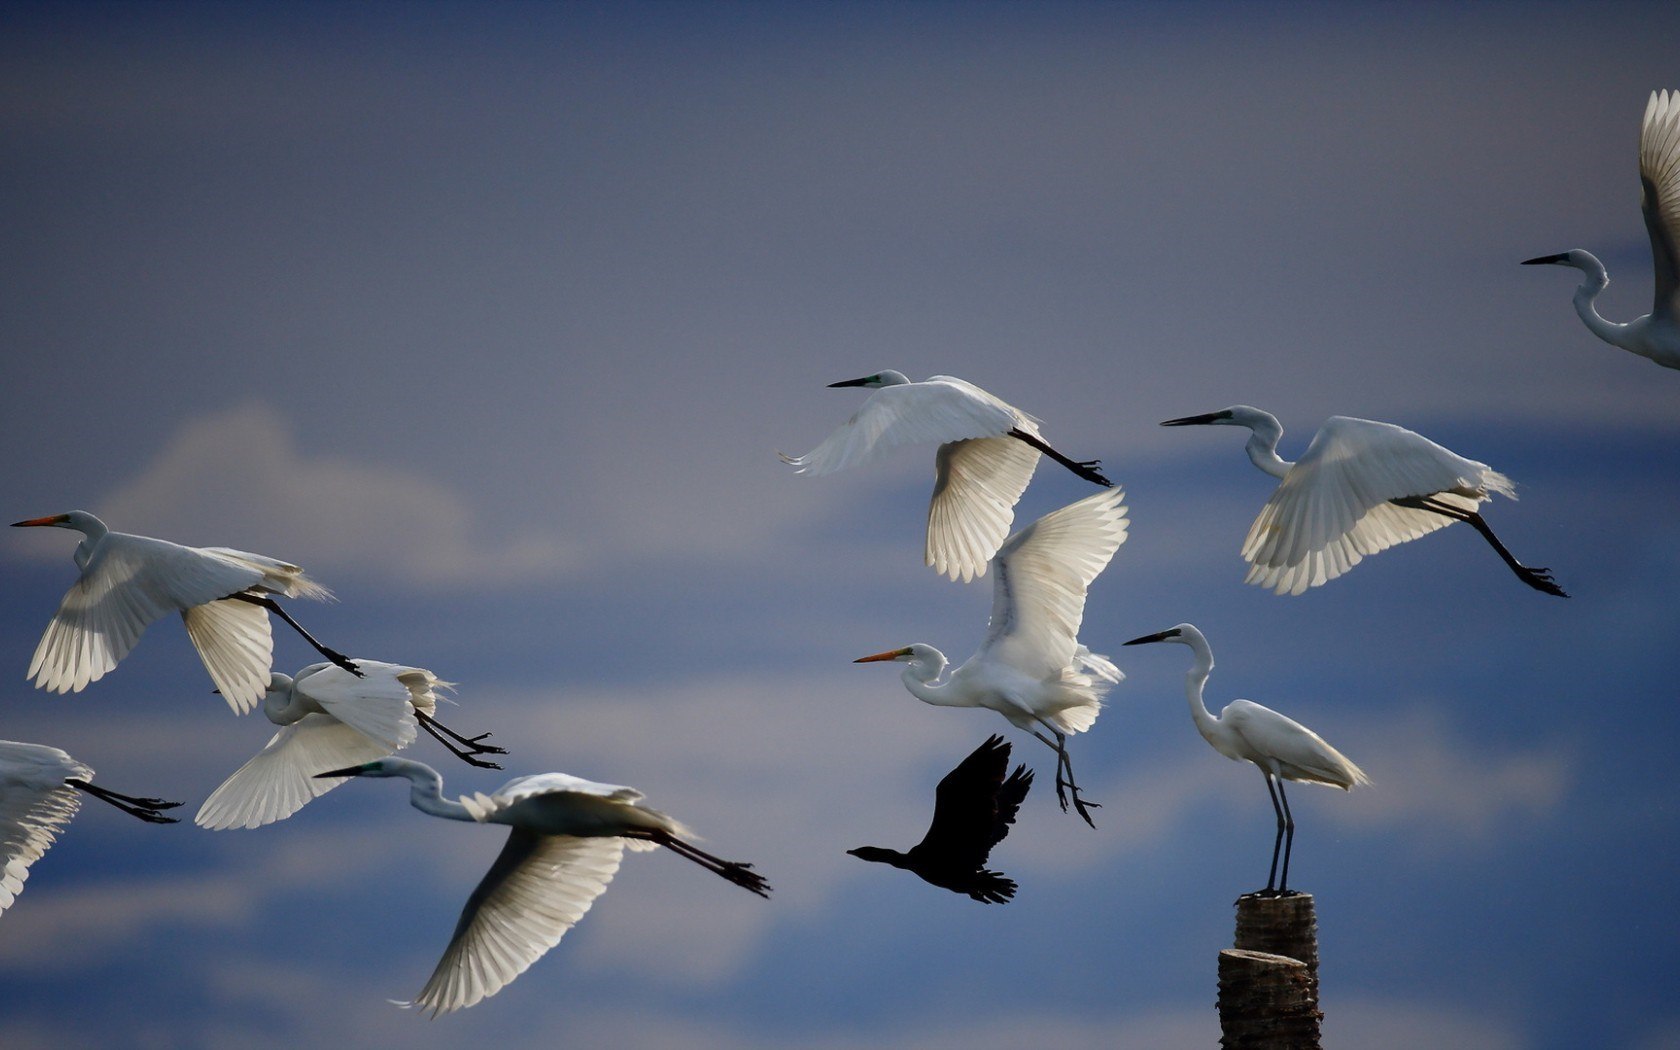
<point>40,790</point>
<point>1283,748</point>
<point>973,808</point>
<point>127,582</point>
<point>567,839</point>
<point>987,452</point>
<point>1361,487</point>
<point>1031,668</point>
<point>1657,334</point>
<point>330,718</point>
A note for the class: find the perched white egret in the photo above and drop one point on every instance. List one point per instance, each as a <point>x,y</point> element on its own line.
<point>40,790</point>
<point>567,839</point>
<point>127,582</point>
<point>1657,334</point>
<point>1031,668</point>
<point>987,452</point>
<point>1283,748</point>
<point>1361,487</point>
<point>331,718</point>
<point>973,808</point>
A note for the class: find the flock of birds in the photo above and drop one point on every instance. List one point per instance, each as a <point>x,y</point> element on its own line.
<point>1360,488</point>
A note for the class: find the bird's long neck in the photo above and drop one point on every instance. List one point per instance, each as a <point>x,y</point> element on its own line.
<point>93,530</point>
<point>284,703</point>
<point>1594,279</point>
<point>1206,723</point>
<point>1262,447</point>
<point>426,792</point>
<point>921,678</point>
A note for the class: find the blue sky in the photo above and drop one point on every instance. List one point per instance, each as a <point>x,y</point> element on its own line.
<point>494,317</point>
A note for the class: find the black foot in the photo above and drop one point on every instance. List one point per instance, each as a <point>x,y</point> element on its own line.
<point>1540,579</point>
<point>743,876</point>
<point>343,661</point>
<point>1087,469</point>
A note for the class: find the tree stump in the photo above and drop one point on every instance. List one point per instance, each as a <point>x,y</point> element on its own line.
<point>1268,983</point>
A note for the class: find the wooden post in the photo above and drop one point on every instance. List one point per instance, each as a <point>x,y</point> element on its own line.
<point>1268,983</point>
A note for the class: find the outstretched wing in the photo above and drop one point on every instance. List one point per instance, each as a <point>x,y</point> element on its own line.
<point>234,641</point>
<point>969,816</point>
<point>1659,181</point>
<point>936,411</point>
<point>1332,509</point>
<point>539,886</point>
<point>1040,578</point>
<point>280,779</point>
<point>976,485</point>
<point>32,812</point>
<point>380,704</point>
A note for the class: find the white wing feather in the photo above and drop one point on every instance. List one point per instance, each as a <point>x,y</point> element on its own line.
<point>938,410</point>
<point>380,704</point>
<point>1659,173</point>
<point>234,640</point>
<point>1333,509</point>
<point>280,779</point>
<point>1041,575</point>
<point>977,483</point>
<point>35,804</point>
<point>538,888</point>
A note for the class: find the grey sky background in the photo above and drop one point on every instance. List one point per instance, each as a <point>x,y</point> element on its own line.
<point>494,316</point>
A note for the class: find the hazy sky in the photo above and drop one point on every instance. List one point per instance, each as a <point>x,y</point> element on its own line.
<point>494,317</point>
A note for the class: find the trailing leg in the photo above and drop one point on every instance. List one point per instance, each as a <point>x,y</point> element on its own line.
<point>144,808</point>
<point>462,747</point>
<point>1538,578</point>
<point>274,607</point>
<point>1085,468</point>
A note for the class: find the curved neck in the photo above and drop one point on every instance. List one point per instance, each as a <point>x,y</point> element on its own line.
<point>921,678</point>
<point>426,791</point>
<point>1262,448</point>
<point>1206,723</point>
<point>1586,296</point>
<point>285,704</point>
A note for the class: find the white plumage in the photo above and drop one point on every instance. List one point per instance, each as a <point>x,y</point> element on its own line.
<point>1657,334</point>
<point>1361,487</point>
<point>128,582</point>
<point>988,450</point>
<point>1031,667</point>
<point>567,839</point>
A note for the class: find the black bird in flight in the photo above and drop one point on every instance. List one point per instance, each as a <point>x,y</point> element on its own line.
<point>972,810</point>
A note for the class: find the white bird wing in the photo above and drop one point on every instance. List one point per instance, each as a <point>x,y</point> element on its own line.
<point>31,815</point>
<point>130,582</point>
<point>280,779</point>
<point>1303,754</point>
<point>380,704</point>
<point>1659,181</point>
<point>235,642</point>
<point>977,483</point>
<point>1332,509</point>
<point>538,888</point>
<point>1040,579</point>
<point>936,411</point>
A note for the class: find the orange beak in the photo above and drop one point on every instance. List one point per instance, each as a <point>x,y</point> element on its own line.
<point>55,519</point>
<point>892,654</point>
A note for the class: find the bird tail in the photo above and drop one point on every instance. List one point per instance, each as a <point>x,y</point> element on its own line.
<point>991,887</point>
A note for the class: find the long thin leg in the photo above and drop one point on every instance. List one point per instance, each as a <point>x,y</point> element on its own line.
<point>739,873</point>
<point>1065,762</point>
<point>1277,843</point>
<point>1538,578</point>
<point>462,747</point>
<point>144,808</point>
<point>274,607</point>
<point>1288,840</point>
<point>1085,468</point>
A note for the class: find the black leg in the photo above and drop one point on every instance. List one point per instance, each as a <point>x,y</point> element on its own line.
<point>1288,840</point>
<point>739,873</point>
<point>1064,762</point>
<point>274,607</point>
<point>1538,578</point>
<point>1277,843</point>
<point>462,747</point>
<point>144,808</point>
<point>1086,468</point>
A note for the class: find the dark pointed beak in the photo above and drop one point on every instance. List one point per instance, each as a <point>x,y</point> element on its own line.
<point>851,382</point>
<point>1539,259</point>
<point>1190,421</point>
<point>1159,636</point>
<point>352,771</point>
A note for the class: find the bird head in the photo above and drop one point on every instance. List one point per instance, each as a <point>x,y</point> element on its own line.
<point>1235,416</point>
<point>1183,634</point>
<point>910,654</point>
<point>1575,257</point>
<point>883,378</point>
<point>79,520</point>
<point>878,854</point>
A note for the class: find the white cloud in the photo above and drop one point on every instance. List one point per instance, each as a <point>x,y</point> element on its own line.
<point>238,479</point>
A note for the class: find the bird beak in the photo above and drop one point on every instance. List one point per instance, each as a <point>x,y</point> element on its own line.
<point>1537,260</point>
<point>1190,421</point>
<point>851,382</point>
<point>1158,637</point>
<point>351,771</point>
<point>891,654</point>
<point>55,519</point>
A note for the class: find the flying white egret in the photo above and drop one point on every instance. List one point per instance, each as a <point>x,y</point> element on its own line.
<point>1031,668</point>
<point>987,452</point>
<point>127,582</point>
<point>330,718</point>
<point>1283,748</point>
<point>567,839</point>
<point>1657,334</point>
<point>40,790</point>
<point>1361,487</point>
<point>973,808</point>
